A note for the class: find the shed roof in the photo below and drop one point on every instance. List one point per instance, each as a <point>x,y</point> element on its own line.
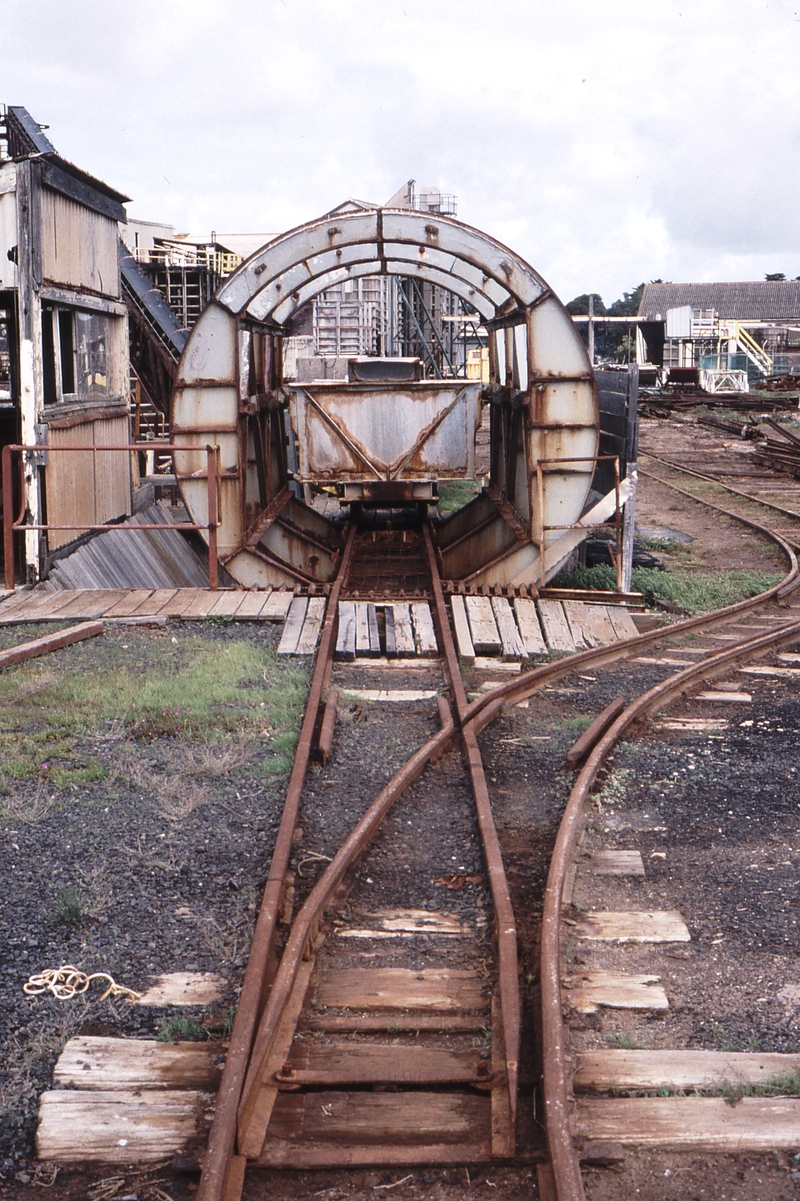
<point>762,300</point>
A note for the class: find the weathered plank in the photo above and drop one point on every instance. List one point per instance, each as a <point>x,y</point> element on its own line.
<point>615,990</point>
<point>201,605</point>
<point>346,632</point>
<point>660,925</point>
<point>388,625</point>
<point>616,863</point>
<point>363,644</point>
<point>251,606</point>
<point>555,626</point>
<point>374,632</point>
<point>602,1070</point>
<point>179,603</point>
<point>227,603</point>
<point>50,642</point>
<point>403,631</point>
<point>483,627</point>
<point>731,698</point>
<point>401,923</point>
<point>622,622</point>
<point>599,626</point>
<point>155,602</point>
<point>350,1064</point>
<point>90,1062</point>
<point>92,603</point>
<point>529,628</point>
<point>277,606</point>
<point>43,606</point>
<point>184,988</point>
<point>696,1123</point>
<point>375,1120</point>
<point>391,694</point>
<point>513,646</point>
<point>400,988</point>
<point>466,649</point>
<point>580,626</point>
<point>424,633</point>
<point>118,1126</point>
<point>294,626</point>
<point>309,635</point>
<point>129,603</point>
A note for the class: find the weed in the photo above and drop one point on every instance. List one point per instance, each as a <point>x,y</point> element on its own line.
<point>698,592</point>
<point>182,1030</point>
<point>456,493</point>
<point>623,1040</point>
<point>68,909</point>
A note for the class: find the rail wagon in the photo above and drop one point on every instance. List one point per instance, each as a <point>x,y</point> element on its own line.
<point>384,435</point>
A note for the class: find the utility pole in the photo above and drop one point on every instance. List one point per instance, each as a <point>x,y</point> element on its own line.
<point>591,330</point>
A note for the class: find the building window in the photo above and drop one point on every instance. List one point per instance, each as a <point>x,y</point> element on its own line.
<point>75,352</point>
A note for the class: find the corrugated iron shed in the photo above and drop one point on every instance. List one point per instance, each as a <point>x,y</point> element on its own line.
<point>764,300</point>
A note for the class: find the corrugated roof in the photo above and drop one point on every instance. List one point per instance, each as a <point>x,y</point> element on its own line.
<point>764,300</point>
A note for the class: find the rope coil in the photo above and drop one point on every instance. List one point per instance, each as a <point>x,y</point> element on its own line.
<point>67,982</point>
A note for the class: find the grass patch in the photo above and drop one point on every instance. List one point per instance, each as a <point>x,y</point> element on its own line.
<point>456,493</point>
<point>623,1040</point>
<point>198,690</point>
<point>699,592</point>
<point>182,1030</point>
<point>68,909</point>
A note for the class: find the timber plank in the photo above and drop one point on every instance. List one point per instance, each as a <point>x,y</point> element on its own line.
<point>621,620</point>
<point>697,1123</point>
<point>277,606</point>
<point>403,631</point>
<point>374,633</point>
<point>180,602</point>
<point>18,599</point>
<point>424,633</point>
<point>601,1070</point>
<point>615,990</point>
<point>129,603</point>
<point>91,1062</point>
<point>388,625</point>
<point>184,988</point>
<point>309,635</point>
<point>92,603</point>
<point>227,603</point>
<point>466,649</point>
<point>155,602</point>
<point>201,606</point>
<point>294,626</point>
<point>400,988</point>
<point>346,632</point>
<point>286,1153</point>
<point>376,1119</point>
<point>363,644</point>
<point>529,628</point>
<point>483,627</point>
<point>660,925</point>
<point>599,625</point>
<point>251,606</point>
<point>46,606</point>
<point>393,1023</point>
<point>580,624</point>
<point>513,646</point>
<point>349,1064</point>
<point>555,625</point>
<point>118,1126</point>
<point>616,863</point>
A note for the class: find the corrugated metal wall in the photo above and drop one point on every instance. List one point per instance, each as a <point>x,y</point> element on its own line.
<point>87,487</point>
<point>79,246</point>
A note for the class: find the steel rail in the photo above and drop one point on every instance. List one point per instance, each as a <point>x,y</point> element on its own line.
<point>305,924</point>
<point>556,1074</point>
<point>507,957</point>
<point>700,475</point>
<point>223,1170</point>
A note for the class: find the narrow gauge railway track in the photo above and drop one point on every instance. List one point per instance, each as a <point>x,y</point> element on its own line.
<point>472,1097</point>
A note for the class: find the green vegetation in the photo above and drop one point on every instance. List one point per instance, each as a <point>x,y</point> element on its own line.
<point>182,1030</point>
<point>699,592</point>
<point>199,690</point>
<point>456,493</point>
<point>68,909</point>
<point>623,1040</point>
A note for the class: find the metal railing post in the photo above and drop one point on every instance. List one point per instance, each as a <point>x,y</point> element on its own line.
<point>213,572</point>
<point>8,519</point>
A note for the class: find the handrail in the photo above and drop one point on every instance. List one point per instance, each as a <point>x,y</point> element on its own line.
<point>10,524</point>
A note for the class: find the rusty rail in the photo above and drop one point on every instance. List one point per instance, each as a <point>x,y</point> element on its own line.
<point>10,524</point>
<point>223,1171</point>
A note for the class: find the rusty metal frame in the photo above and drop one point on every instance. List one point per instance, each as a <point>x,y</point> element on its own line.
<point>541,528</point>
<point>12,525</point>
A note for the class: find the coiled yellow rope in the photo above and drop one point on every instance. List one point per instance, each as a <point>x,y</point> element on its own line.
<point>67,982</point>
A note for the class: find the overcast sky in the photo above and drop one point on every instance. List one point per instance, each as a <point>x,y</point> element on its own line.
<point>606,141</point>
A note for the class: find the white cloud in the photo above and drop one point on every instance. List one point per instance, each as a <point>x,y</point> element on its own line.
<point>607,143</point>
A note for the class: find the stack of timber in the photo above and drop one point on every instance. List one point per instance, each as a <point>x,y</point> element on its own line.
<point>782,453</point>
<point>397,629</point>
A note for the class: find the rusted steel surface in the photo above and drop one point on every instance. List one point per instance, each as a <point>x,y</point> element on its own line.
<point>250,1140</point>
<point>508,968</point>
<point>50,642</point>
<point>589,737</point>
<point>221,1159</point>
<point>557,1079</point>
<point>328,725</point>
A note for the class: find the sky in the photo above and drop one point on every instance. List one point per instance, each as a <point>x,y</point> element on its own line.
<point>608,143</point>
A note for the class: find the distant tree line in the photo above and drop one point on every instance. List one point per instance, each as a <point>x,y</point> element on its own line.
<point>612,343</point>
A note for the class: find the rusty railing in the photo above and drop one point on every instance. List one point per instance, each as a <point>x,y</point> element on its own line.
<point>12,525</point>
<point>541,528</point>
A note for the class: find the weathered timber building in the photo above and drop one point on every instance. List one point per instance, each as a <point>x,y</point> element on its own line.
<point>63,341</point>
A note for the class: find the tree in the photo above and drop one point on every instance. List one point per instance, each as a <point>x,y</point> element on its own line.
<point>579,307</point>
<point>776,276</point>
